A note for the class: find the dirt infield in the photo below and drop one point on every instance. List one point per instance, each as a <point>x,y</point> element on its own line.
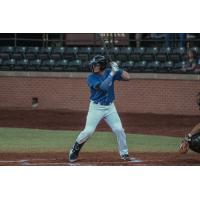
<point>169,125</point>
<point>99,159</point>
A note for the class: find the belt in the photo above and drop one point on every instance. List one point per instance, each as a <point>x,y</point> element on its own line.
<point>101,103</point>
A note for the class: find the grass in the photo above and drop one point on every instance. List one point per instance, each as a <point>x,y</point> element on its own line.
<point>33,140</point>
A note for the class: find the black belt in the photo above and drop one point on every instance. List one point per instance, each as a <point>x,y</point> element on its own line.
<point>102,104</point>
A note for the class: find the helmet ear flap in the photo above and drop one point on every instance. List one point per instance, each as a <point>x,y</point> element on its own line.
<point>103,67</point>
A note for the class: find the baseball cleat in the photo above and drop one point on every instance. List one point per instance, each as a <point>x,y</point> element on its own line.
<point>125,157</point>
<point>73,154</point>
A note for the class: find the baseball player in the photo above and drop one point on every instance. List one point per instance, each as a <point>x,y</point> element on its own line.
<point>101,85</point>
<point>192,139</point>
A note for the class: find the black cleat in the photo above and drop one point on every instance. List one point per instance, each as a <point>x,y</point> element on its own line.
<point>73,154</point>
<point>125,157</point>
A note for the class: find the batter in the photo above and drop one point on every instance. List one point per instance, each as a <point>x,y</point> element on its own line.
<point>101,84</point>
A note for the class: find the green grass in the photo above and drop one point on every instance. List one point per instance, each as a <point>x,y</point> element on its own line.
<point>33,140</point>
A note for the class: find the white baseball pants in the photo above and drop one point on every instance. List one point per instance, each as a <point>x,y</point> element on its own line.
<point>109,114</point>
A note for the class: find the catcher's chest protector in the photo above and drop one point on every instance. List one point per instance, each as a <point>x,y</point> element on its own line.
<point>194,144</point>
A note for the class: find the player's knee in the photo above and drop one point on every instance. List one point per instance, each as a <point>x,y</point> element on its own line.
<point>118,129</point>
<point>89,131</point>
<point>85,135</point>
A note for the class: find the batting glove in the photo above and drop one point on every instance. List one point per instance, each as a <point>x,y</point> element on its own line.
<point>114,66</point>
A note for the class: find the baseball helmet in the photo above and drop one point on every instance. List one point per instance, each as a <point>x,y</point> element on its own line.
<point>98,60</point>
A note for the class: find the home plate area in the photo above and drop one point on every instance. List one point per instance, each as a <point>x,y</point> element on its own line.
<point>99,159</point>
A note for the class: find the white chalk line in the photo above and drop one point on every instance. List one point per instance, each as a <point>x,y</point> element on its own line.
<point>28,162</point>
<point>25,160</point>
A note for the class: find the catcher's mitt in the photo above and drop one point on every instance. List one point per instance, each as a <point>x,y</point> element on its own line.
<point>190,142</point>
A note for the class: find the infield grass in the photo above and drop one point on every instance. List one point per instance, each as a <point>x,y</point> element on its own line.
<point>33,140</point>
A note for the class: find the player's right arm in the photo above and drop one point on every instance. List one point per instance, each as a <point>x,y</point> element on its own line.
<point>104,85</point>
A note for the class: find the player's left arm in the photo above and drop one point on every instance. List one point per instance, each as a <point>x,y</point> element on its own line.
<point>125,76</point>
<point>186,142</point>
<point>196,129</point>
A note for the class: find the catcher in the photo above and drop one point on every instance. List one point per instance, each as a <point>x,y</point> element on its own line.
<point>192,139</point>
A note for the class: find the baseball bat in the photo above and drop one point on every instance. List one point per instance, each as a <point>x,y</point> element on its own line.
<point>105,47</point>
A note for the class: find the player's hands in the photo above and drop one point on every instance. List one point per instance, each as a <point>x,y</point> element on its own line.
<point>114,66</point>
<point>184,146</point>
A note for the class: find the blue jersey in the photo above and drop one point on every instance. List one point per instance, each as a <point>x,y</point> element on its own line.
<point>98,95</point>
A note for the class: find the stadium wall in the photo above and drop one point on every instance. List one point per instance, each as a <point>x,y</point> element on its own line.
<point>144,93</point>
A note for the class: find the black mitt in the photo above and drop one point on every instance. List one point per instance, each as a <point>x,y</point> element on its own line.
<point>190,141</point>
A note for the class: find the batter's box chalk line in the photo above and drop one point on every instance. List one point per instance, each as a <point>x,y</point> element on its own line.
<point>134,160</point>
<point>73,164</point>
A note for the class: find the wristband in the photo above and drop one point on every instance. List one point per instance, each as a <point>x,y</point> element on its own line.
<point>112,73</point>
